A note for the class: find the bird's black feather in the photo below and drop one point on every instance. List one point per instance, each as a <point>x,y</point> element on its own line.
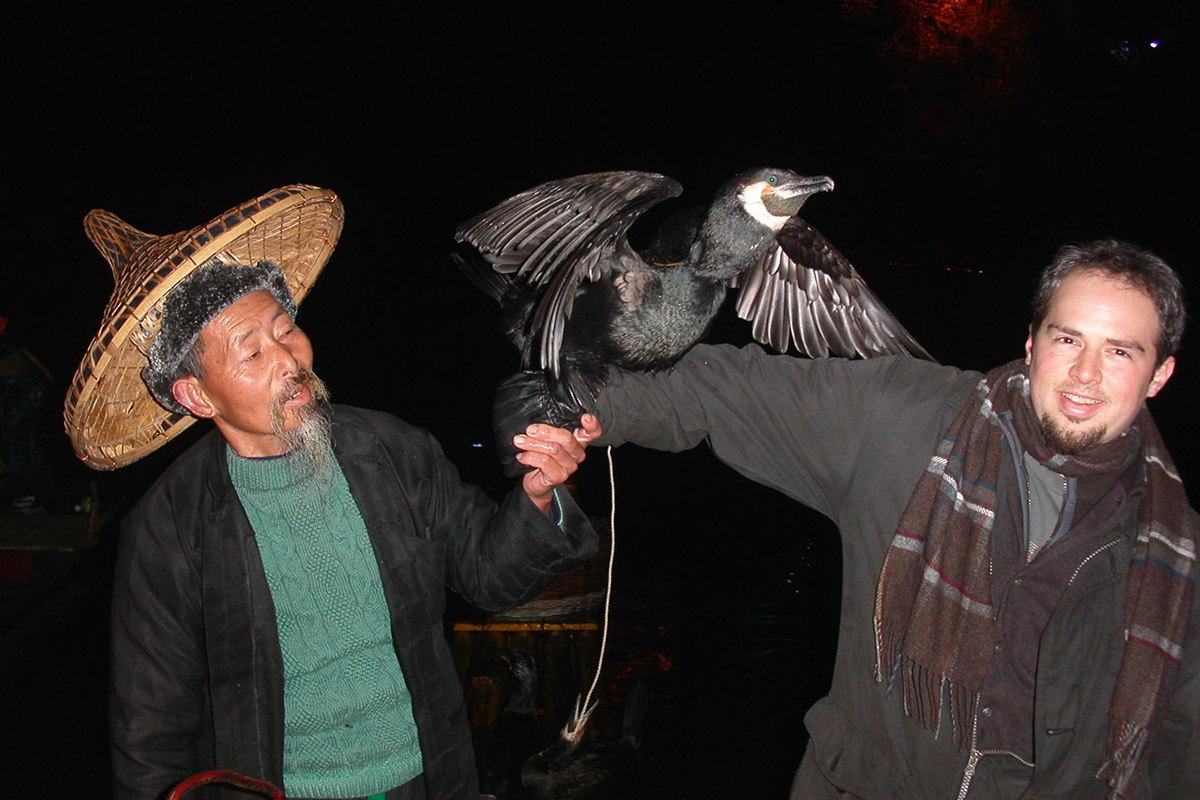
<point>577,299</point>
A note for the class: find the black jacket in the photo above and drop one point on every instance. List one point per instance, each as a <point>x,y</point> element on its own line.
<point>850,439</point>
<point>197,672</point>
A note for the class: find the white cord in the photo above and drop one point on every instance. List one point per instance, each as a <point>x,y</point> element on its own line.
<point>612,550</point>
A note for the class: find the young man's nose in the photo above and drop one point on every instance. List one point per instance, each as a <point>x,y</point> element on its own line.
<point>1086,368</point>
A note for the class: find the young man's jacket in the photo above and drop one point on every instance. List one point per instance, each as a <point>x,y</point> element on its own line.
<point>197,671</point>
<point>850,439</point>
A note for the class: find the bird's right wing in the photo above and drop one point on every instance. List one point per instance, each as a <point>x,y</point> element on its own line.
<point>804,293</point>
<point>551,238</point>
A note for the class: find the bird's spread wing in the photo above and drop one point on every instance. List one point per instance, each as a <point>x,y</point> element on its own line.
<point>552,237</point>
<point>804,293</point>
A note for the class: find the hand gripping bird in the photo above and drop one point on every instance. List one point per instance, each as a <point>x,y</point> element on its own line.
<point>577,298</point>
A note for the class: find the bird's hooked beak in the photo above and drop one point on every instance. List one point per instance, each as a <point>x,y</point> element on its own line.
<point>786,199</point>
<point>572,732</point>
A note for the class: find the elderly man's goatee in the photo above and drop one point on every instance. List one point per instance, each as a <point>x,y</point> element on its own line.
<point>309,444</point>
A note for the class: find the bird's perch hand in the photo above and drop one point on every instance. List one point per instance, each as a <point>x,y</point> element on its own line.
<point>552,455</point>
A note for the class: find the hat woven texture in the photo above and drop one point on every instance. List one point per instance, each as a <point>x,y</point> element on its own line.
<point>109,414</point>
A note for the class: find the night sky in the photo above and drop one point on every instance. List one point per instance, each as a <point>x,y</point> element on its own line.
<point>967,140</point>
<point>965,146</point>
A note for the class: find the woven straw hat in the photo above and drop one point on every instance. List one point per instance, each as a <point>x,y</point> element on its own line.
<point>109,414</point>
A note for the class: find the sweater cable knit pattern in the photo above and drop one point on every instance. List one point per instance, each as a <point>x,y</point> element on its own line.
<point>349,727</point>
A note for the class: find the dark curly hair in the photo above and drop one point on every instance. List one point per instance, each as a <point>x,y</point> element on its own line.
<point>1140,269</point>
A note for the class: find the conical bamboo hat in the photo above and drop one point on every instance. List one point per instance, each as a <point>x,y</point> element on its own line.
<point>109,414</point>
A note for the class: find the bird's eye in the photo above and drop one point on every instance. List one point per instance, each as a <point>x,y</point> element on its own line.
<point>773,180</point>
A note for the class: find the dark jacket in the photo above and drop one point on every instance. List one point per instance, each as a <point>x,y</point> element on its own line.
<point>197,671</point>
<point>850,439</point>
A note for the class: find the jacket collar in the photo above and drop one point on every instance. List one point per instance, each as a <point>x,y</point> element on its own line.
<point>352,441</point>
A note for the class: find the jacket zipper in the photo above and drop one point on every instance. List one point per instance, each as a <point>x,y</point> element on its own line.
<point>973,761</point>
<point>976,753</point>
<point>1031,549</point>
<point>1084,563</point>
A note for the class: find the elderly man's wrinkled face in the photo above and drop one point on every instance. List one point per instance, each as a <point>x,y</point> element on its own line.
<point>1092,361</point>
<point>255,357</point>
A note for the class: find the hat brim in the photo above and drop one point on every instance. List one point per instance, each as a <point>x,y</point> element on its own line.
<point>109,414</point>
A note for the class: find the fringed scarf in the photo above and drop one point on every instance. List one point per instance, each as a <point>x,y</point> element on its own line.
<point>933,606</point>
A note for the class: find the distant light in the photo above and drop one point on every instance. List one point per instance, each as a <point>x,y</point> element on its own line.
<point>476,444</point>
<point>1154,44</point>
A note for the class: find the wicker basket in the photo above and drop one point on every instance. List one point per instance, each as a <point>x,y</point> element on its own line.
<point>578,592</point>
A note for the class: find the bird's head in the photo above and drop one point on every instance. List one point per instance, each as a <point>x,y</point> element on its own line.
<point>773,196</point>
<point>520,664</point>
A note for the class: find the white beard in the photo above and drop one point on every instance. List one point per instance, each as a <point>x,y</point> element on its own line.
<point>310,444</point>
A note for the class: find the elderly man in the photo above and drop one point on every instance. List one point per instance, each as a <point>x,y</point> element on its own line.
<point>279,591</point>
<point>280,588</point>
<point>1018,608</point>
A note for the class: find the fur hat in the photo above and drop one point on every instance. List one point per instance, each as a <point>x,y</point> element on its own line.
<point>192,305</point>
<point>112,416</point>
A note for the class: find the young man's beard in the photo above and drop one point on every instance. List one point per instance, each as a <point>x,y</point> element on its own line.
<point>308,444</point>
<point>1066,441</point>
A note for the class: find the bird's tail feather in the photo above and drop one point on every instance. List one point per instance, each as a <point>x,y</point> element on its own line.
<point>890,326</point>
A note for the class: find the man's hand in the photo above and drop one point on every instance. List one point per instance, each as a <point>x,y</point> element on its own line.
<point>521,400</point>
<point>553,455</point>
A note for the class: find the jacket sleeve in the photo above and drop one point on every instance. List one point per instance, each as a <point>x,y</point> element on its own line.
<point>157,677</point>
<point>497,556</point>
<point>797,425</point>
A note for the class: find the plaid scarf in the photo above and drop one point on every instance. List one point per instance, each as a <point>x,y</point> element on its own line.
<point>934,612</point>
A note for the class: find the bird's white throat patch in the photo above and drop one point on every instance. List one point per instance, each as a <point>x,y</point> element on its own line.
<point>751,198</point>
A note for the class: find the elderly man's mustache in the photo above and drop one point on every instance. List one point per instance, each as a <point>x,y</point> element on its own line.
<point>301,379</point>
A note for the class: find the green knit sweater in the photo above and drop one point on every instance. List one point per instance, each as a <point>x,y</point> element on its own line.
<point>348,723</point>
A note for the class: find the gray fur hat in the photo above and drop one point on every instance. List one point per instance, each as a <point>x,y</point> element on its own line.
<point>193,304</point>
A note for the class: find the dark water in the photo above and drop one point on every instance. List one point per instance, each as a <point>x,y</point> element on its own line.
<point>740,588</point>
<point>53,672</point>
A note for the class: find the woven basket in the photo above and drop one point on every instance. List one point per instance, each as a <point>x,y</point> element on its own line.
<point>578,592</point>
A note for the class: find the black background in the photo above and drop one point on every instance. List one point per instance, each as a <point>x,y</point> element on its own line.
<point>968,140</point>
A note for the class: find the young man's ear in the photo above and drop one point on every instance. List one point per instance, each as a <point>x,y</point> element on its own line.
<point>1161,375</point>
<point>190,394</point>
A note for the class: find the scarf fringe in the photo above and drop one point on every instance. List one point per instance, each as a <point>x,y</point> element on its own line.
<point>925,694</point>
<point>1126,743</point>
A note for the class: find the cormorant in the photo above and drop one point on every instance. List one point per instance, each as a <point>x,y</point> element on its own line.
<point>577,298</point>
<point>516,734</point>
<point>572,769</point>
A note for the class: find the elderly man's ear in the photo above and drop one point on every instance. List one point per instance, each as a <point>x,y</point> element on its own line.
<point>190,394</point>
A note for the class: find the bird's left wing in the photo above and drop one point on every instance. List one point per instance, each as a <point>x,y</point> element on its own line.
<point>804,293</point>
<point>551,238</point>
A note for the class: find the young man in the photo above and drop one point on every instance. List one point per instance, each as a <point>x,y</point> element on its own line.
<point>1018,608</point>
